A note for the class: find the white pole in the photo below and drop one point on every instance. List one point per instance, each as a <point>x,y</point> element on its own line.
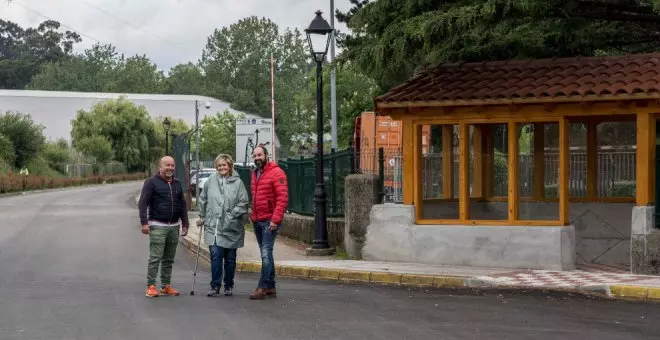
<point>333,80</point>
<point>197,149</point>
<point>272,104</point>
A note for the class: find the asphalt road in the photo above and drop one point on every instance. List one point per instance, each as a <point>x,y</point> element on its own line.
<point>73,265</point>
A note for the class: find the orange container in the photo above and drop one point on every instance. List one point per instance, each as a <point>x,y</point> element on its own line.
<point>383,132</point>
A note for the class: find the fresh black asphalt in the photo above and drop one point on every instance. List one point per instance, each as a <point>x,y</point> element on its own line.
<point>73,266</point>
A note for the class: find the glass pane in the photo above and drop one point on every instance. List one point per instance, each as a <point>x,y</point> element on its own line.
<point>616,159</point>
<point>498,151</point>
<point>577,163</point>
<point>439,171</point>
<point>488,172</point>
<point>538,169</point>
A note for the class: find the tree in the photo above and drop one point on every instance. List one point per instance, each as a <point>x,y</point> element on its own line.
<point>218,135</point>
<point>355,94</point>
<point>101,69</point>
<point>56,155</point>
<point>90,71</point>
<point>25,135</point>
<point>185,79</point>
<point>390,40</point>
<point>24,51</point>
<point>136,74</point>
<point>291,73</point>
<point>126,126</point>
<point>98,147</point>
<point>177,127</point>
<point>64,75</point>
<point>236,62</point>
<point>6,150</point>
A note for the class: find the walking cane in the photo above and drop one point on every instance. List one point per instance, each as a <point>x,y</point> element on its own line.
<point>199,241</point>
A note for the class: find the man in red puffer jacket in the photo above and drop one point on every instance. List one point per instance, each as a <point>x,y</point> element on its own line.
<point>270,198</point>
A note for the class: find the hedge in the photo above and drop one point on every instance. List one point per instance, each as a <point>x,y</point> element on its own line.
<point>616,189</point>
<point>14,182</point>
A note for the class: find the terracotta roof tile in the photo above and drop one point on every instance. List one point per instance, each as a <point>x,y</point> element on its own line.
<point>528,79</point>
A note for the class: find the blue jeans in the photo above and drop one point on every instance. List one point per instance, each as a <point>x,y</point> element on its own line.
<point>266,240</point>
<point>218,254</point>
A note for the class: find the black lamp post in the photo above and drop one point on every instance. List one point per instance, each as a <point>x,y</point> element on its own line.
<point>318,37</point>
<point>166,126</point>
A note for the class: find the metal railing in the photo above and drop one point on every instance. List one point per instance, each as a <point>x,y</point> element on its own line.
<point>616,174</point>
<point>88,169</point>
<point>301,177</point>
<point>388,166</point>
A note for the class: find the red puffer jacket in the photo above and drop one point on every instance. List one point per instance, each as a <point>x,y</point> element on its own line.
<point>270,194</point>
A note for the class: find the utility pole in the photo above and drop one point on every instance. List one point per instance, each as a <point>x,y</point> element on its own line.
<point>333,80</point>
<point>272,105</point>
<point>197,149</point>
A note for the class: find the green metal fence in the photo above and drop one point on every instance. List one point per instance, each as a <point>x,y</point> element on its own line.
<point>301,175</point>
<point>246,177</point>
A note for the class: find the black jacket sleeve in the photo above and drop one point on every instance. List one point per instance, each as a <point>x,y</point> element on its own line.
<point>145,199</point>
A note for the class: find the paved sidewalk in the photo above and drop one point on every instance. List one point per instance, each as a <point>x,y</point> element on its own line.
<point>292,262</point>
<point>250,252</point>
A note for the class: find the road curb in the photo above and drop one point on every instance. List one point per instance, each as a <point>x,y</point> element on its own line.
<point>358,276</point>
<point>619,292</point>
<point>631,292</point>
<point>342,275</point>
<point>192,248</point>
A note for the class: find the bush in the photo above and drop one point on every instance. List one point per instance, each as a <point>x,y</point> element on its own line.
<point>25,135</point>
<point>551,191</point>
<point>501,171</point>
<point>39,166</point>
<point>5,167</point>
<point>56,156</point>
<point>14,182</point>
<point>618,189</point>
<point>6,149</point>
<point>623,189</point>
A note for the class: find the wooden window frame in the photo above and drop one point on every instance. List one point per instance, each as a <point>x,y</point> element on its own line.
<point>464,197</point>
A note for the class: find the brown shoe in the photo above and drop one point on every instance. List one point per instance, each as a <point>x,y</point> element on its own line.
<point>271,292</point>
<point>258,294</point>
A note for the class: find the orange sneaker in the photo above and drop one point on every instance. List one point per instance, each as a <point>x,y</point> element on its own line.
<point>168,290</point>
<point>152,291</point>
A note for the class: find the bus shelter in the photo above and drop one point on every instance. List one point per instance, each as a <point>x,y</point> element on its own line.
<point>526,163</point>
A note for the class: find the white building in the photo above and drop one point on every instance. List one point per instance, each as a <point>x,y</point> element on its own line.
<point>56,109</point>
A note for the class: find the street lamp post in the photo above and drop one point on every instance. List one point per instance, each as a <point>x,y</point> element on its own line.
<point>166,127</point>
<point>318,37</point>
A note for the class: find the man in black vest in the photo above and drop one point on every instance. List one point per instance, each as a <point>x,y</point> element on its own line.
<point>163,195</point>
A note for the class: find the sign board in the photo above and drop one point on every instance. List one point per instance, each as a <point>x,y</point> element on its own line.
<point>250,133</point>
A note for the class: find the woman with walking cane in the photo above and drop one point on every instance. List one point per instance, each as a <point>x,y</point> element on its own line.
<point>223,206</point>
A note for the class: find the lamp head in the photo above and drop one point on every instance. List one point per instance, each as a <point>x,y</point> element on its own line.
<point>319,33</point>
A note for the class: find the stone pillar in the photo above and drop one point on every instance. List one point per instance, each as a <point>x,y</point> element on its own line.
<point>361,193</point>
<point>644,242</point>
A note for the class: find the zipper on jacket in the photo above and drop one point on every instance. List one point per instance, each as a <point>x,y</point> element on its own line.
<point>171,202</point>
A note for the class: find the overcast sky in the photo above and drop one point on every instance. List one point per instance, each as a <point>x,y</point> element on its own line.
<point>168,31</point>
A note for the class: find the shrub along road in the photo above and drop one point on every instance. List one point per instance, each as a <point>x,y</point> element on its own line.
<point>13,183</point>
<point>73,265</point>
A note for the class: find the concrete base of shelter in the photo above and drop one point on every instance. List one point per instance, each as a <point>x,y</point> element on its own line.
<point>392,235</point>
<point>645,242</point>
